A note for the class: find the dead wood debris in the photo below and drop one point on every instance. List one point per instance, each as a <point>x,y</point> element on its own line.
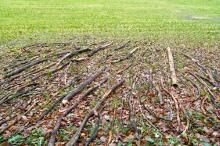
<point>128,56</point>
<point>82,86</point>
<point>69,109</point>
<point>19,70</point>
<point>95,131</point>
<point>122,46</point>
<point>18,118</point>
<point>175,99</point>
<point>92,112</point>
<point>99,49</point>
<point>61,76</point>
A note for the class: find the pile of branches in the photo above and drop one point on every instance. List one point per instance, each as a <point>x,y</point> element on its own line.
<point>47,87</point>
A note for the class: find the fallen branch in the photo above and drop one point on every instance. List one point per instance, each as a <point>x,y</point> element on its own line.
<point>132,119</point>
<point>187,120</point>
<point>35,45</point>
<point>73,53</point>
<point>95,131</point>
<point>203,104</point>
<point>52,71</point>
<point>212,97</point>
<point>16,63</point>
<point>6,120</point>
<point>196,62</point>
<point>214,84</point>
<point>42,69</point>
<point>76,136</point>
<point>150,111</point>
<point>146,118</point>
<point>70,95</point>
<point>211,77</point>
<point>122,46</point>
<point>194,85</point>
<point>79,59</point>
<point>172,67</point>
<point>19,70</point>
<point>159,93</point>
<point>98,49</point>
<point>177,108</point>
<point>17,119</point>
<point>17,94</point>
<point>70,108</point>
<point>130,54</point>
<point>124,69</point>
<point>82,86</point>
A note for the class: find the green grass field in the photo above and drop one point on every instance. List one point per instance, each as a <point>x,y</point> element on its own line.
<point>192,20</point>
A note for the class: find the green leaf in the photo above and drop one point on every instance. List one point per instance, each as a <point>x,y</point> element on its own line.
<point>18,139</point>
<point>41,141</point>
<point>151,140</point>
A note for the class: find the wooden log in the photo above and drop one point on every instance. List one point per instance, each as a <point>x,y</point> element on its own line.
<point>76,136</point>
<point>172,67</point>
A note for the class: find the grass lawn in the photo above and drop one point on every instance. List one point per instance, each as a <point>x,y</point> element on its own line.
<point>194,20</point>
<point>51,50</point>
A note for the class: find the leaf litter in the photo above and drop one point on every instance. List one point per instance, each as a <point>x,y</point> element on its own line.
<point>111,92</point>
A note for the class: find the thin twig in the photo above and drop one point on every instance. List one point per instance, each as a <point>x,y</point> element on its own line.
<point>174,97</point>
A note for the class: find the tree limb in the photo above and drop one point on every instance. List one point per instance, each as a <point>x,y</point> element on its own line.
<point>82,86</point>
<point>76,136</point>
<point>99,49</point>
<point>70,108</point>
